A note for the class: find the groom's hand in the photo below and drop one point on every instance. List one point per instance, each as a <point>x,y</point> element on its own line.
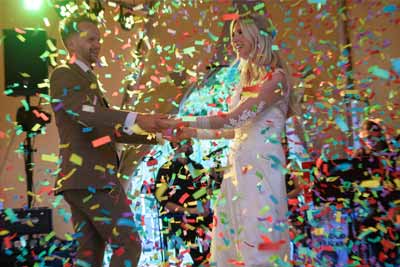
<point>150,122</point>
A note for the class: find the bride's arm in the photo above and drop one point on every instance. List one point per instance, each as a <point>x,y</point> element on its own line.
<point>270,91</point>
<point>186,133</point>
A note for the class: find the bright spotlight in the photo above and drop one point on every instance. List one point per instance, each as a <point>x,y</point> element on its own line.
<point>33,5</point>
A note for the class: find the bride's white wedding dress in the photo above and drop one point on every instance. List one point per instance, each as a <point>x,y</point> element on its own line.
<point>251,227</point>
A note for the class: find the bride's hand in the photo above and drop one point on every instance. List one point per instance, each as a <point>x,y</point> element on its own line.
<point>170,123</point>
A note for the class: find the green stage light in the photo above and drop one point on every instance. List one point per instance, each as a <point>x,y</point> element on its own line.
<point>33,5</point>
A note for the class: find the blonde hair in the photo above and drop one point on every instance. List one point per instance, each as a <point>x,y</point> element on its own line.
<point>261,33</point>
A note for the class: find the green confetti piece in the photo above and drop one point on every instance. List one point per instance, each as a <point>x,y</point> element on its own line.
<point>189,50</point>
<point>50,236</point>
<point>57,201</point>
<point>213,37</point>
<point>9,92</point>
<point>25,104</point>
<point>298,238</point>
<point>86,199</point>
<point>21,178</point>
<point>182,176</point>
<point>101,219</point>
<point>259,175</point>
<point>45,55</point>
<point>258,7</point>
<point>199,193</point>
<point>11,215</point>
<point>199,42</point>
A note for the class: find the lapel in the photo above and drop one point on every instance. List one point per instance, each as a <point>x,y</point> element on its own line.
<point>90,77</point>
<point>83,74</point>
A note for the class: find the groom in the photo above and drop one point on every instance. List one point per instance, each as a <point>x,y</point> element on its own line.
<point>88,131</point>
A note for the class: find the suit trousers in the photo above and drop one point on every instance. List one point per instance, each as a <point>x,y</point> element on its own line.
<point>103,217</point>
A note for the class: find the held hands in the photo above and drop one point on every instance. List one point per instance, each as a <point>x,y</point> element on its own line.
<point>150,122</point>
<point>175,130</point>
<point>180,134</point>
<point>172,129</point>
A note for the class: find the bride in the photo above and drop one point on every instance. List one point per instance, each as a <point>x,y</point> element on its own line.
<point>251,226</point>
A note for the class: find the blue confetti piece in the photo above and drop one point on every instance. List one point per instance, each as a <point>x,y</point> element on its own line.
<point>379,72</point>
<point>128,263</point>
<point>321,2</point>
<point>82,263</point>
<point>340,121</point>
<point>343,167</point>
<point>91,189</point>
<point>389,8</point>
<point>274,199</point>
<point>87,129</point>
<point>126,222</point>
<point>105,212</point>
<point>396,64</point>
<point>200,206</point>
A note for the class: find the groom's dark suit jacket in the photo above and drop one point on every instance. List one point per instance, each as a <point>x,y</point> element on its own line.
<point>82,117</point>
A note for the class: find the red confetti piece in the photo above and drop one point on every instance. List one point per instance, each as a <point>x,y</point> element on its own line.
<point>230,16</point>
<point>101,141</point>
<point>183,198</point>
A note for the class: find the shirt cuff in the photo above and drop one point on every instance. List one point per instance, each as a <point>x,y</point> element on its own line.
<point>129,123</point>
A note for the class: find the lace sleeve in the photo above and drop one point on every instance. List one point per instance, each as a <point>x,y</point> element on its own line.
<point>269,92</point>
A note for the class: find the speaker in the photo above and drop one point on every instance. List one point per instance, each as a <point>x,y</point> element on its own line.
<point>27,221</point>
<point>24,61</point>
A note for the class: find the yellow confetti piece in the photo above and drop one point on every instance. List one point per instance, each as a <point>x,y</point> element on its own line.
<point>59,182</point>
<point>115,232</point>
<point>99,168</point>
<point>61,146</point>
<point>49,158</point>
<point>190,227</point>
<point>338,216</point>
<point>370,183</point>
<point>189,118</point>
<point>4,232</point>
<point>264,210</point>
<point>319,231</point>
<point>191,73</point>
<point>96,206</point>
<point>36,127</point>
<point>68,237</point>
<point>76,159</point>
<point>160,191</point>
